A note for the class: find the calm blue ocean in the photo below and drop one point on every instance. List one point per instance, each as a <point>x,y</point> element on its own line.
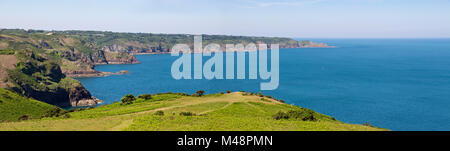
<point>399,84</point>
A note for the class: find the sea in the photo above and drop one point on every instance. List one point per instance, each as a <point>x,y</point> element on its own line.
<point>398,84</point>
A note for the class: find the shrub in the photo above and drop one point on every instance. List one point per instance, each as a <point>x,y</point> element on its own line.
<point>54,112</point>
<point>187,114</point>
<point>195,95</point>
<point>183,94</point>
<point>24,117</point>
<point>280,115</point>
<point>228,91</point>
<point>76,110</point>
<point>145,96</point>
<point>200,92</point>
<point>66,116</point>
<point>128,99</point>
<point>260,94</point>
<point>160,113</point>
<point>282,101</point>
<point>302,114</point>
<point>221,93</point>
<point>268,96</point>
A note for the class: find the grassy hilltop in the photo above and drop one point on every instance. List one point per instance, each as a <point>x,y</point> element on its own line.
<point>173,111</point>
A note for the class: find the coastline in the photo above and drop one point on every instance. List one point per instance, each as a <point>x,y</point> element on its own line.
<point>97,73</point>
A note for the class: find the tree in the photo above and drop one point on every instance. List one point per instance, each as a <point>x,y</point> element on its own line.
<point>200,92</point>
<point>128,99</point>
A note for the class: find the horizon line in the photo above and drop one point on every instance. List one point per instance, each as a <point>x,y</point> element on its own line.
<point>217,34</point>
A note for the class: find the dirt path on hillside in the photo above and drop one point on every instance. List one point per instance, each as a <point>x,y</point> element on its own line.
<point>231,98</point>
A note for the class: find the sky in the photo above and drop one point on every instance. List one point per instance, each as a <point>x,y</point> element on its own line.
<point>283,18</point>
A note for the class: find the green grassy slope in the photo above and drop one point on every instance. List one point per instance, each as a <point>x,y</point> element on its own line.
<point>13,106</point>
<point>232,111</point>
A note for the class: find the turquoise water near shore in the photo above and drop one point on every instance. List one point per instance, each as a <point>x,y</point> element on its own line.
<point>399,84</point>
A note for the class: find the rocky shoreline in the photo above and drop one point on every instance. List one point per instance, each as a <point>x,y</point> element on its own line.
<point>131,59</point>
<point>96,74</point>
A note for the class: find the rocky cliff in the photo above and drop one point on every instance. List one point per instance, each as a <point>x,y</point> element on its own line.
<point>38,77</point>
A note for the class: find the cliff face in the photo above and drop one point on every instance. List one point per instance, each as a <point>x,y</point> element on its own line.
<point>78,64</point>
<point>80,96</point>
<point>63,97</point>
<point>134,48</point>
<point>119,58</point>
<point>37,77</point>
<point>140,48</point>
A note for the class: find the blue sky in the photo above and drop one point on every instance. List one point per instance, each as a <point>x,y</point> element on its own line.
<point>285,18</point>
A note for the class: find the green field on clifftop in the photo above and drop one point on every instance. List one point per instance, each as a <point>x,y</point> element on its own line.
<point>233,111</point>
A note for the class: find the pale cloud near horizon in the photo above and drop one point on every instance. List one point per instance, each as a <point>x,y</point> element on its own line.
<point>286,3</point>
<point>271,3</point>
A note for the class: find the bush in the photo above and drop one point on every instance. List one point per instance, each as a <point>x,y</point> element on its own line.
<point>187,114</point>
<point>260,94</point>
<point>128,99</point>
<point>183,94</point>
<point>221,93</point>
<point>228,91</point>
<point>195,95</point>
<point>145,96</point>
<point>160,113</point>
<point>200,92</point>
<point>282,101</point>
<point>66,116</point>
<point>302,114</point>
<point>54,112</point>
<point>24,117</point>
<point>280,115</point>
<point>268,96</point>
<point>76,110</point>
